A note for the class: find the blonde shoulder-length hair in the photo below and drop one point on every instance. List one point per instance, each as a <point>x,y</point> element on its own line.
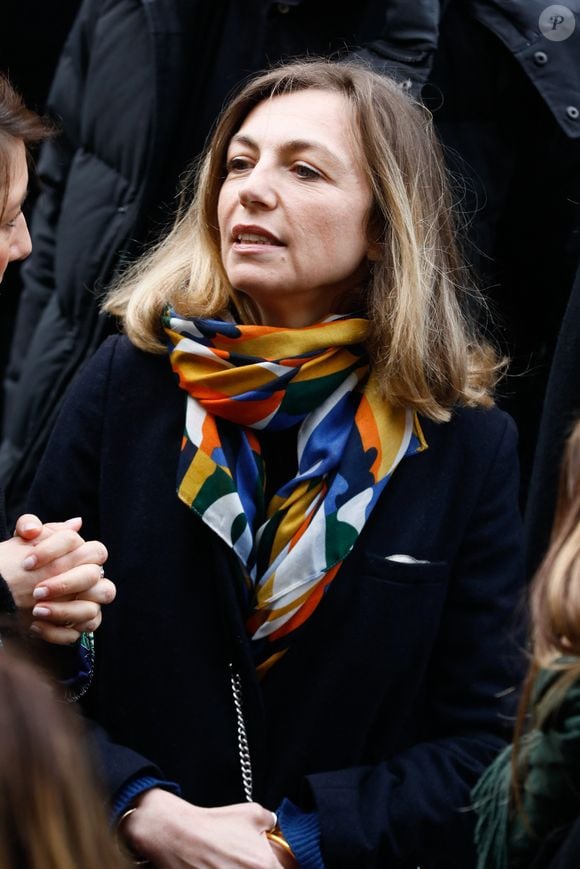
<point>422,343</point>
<point>554,611</point>
<point>555,594</point>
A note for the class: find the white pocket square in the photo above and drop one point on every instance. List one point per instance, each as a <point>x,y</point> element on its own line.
<point>405,559</point>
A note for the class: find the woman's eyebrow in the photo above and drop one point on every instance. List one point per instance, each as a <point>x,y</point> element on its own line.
<point>16,208</point>
<point>241,139</point>
<point>306,145</point>
<point>289,147</point>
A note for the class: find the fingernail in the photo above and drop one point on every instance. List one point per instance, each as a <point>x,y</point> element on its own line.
<point>40,593</point>
<point>30,526</point>
<point>41,611</point>
<point>29,562</point>
<point>34,629</point>
<point>73,521</point>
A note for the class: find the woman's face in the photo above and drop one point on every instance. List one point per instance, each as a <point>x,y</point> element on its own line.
<point>292,210</point>
<point>14,237</point>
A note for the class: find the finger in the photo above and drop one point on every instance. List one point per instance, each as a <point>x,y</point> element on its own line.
<point>60,636</point>
<point>90,626</point>
<point>54,546</point>
<point>65,614</point>
<point>89,552</point>
<point>28,526</point>
<point>264,819</point>
<point>75,523</point>
<point>85,581</point>
<point>103,592</point>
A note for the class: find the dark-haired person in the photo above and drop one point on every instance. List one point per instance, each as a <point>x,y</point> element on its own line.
<point>312,519</point>
<point>48,574</point>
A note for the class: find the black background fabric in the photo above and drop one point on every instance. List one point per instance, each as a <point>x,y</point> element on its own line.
<point>31,39</point>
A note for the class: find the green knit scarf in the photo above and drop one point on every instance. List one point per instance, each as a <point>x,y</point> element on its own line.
<point>549,764</point>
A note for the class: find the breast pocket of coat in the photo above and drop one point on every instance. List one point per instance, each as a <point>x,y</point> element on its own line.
<point>404,569</point>
<point>393,619</point>
<point>409,595</point>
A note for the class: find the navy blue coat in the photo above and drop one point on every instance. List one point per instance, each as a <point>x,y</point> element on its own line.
<point>397,691</point>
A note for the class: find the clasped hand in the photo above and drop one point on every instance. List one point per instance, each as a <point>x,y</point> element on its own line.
<point>56,578</point>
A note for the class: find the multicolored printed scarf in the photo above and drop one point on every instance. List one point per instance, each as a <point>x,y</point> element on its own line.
<point>244,379</point>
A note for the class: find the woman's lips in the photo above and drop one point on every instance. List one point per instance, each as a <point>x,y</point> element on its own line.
<point>250,236</point>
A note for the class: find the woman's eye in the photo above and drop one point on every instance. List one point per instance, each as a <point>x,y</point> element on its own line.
<point>238,164</point>
<point>307,172</point>
<point>11,224</point>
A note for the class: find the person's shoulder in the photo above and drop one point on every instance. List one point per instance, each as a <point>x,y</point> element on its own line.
<point>475,441</point>
<point>476,448</point>
<point>119,345</point>
<point>118,366</point>
<point>118,352</point>
<point>488,422</point>
<point>478,427</point>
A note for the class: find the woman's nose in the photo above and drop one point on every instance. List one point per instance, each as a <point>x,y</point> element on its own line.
<point>258,189</point>
<point>20,244</point>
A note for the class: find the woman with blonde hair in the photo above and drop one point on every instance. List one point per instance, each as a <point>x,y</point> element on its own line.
<point>308,662</point>
<point>528,802</point>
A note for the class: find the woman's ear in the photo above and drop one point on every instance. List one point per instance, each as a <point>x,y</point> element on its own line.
<point>374,251</point>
